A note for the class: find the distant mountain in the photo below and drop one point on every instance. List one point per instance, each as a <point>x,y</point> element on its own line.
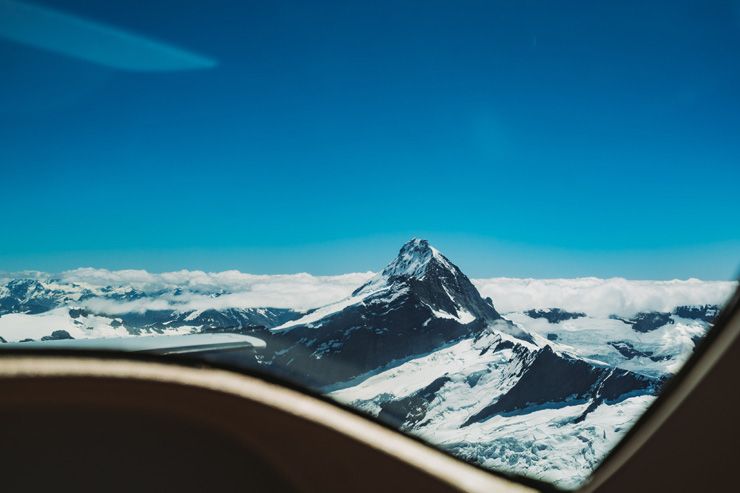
<point>706,313</point>
<point>544,392</point>
<point>647,321</point>
<point>554,315</point>
<point>38,308</point>
<point>234,320</point>
<point>419,348</point>
<point>27,296</point>
<point>417,304</point>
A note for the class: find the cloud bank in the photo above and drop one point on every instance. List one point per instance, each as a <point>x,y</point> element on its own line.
<point>186,290</point>
<point>218,290</point>
<point>603,297</point>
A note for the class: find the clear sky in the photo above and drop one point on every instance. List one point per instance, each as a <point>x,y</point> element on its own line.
<point>526,138</point>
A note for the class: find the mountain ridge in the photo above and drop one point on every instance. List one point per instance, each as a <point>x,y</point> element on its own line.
<point>417,303</point>
<point>417,346</point>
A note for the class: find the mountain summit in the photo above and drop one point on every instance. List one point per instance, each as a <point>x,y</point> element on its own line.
<point>417,303</point>
<point>439,284</point>
<point>414,260</point>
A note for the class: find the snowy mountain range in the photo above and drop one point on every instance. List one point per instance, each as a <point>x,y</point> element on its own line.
<point>535,389</point>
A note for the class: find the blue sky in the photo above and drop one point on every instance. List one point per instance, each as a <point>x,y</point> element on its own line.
<point>522,138</point>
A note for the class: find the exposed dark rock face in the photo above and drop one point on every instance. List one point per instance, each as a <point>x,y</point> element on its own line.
<point>57,335</point>
<point>554,315</point>
<point>552,379</point>
<point>155,320</point>
<point>434,279</point>
<point>236,318</point>
<point>707,313</point>
<point>407,412</point>
<point>369,337</point>
<point>26,296</point>
<point>420,302</point>
<point>33,297</point>
<point>647,321</point>
<point>78,312</point>
<point>542,378</point>
<point>696,340</point>
<point>628,350</point>
<point>504,345</point>
<point>228,320</point>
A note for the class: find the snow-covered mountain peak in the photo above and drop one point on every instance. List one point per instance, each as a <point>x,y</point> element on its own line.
<point>419,286</point>
<point>414,261</point>
<point>25,288</point>
<point>436,282</point>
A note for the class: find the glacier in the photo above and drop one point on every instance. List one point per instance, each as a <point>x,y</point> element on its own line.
<point>532,377</point>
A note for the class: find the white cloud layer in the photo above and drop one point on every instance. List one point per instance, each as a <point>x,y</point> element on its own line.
<point>597,297</point>
<point>602,297</point>
<point>297,291</point>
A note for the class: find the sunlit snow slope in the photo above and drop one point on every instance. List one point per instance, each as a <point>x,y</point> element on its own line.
<point>534,377</point>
